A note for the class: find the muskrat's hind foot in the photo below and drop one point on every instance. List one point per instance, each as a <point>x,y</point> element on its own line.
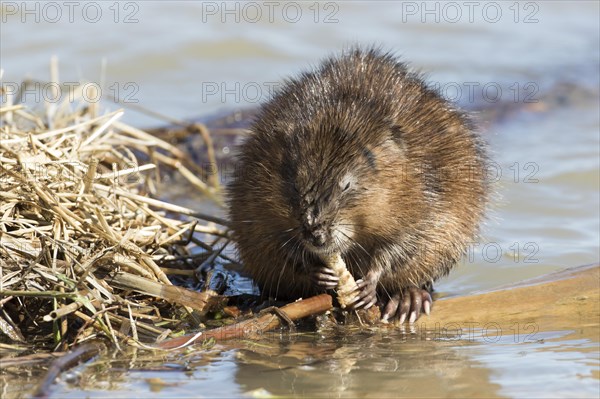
<point>408,303</point>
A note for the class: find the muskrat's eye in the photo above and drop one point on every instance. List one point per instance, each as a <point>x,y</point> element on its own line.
<point>346,182</point>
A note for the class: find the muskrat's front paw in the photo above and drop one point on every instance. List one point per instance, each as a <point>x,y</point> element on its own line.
<point>366,294</point>
<point>324,277</point>
<point>408,303</point>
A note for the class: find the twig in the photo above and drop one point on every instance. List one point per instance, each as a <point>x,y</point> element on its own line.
<point>254,328</point>
<point>69,360</point>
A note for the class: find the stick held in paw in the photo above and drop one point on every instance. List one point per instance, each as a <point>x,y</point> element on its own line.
<point>346,287</point>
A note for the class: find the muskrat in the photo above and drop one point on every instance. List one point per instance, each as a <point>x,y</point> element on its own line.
<point>358,156</point>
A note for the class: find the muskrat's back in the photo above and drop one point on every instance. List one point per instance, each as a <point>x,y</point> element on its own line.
<point>360,157</point>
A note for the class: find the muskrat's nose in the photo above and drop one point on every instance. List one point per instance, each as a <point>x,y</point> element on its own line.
<point>315,235</point>
<point>309,218</point>
<point>318,238</point>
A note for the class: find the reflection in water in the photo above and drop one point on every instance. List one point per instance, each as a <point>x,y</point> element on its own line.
<point>362,365</point>
<point>369,364</point>
<point>377,366</point>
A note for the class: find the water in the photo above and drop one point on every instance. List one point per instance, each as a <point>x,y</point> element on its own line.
<point>189,59</point>
<point>548,364</point>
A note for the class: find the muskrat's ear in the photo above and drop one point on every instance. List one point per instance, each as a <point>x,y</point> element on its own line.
<point>396,131</point>
<point>370,158</point>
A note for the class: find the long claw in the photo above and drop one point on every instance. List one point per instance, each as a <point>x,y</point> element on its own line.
<point>358,305</point>
<point>408,304</point>
<point>427,307</point>
<point>413,317</point>
<point>392,307</point>
<point>402,318</point>
<point>330,272</point>
<point>324,277</point>
<point>370,304</point>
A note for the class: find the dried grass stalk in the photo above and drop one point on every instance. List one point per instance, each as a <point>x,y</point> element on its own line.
<point>76,215</point>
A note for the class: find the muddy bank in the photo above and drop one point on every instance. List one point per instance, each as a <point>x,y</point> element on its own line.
<point>566,300</point>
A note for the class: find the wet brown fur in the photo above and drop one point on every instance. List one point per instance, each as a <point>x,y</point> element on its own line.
<point>416,165</point>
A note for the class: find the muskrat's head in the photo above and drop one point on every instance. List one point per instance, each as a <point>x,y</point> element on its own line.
<point>321,208</point>
<point>333,180</point>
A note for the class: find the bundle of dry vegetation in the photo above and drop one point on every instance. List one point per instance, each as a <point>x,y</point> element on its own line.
<point>85,243</point>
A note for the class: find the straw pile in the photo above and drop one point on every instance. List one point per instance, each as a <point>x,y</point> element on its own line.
<point>84,248</point>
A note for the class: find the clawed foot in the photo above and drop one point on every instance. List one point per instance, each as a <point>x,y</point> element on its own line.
<point>406,304</point>
<point>366,289</point>
<point>324,277</point>
<point>409,303</point>
<point>366,293</point>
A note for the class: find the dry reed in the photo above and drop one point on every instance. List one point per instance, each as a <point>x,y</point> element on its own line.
<point>85,245</point>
